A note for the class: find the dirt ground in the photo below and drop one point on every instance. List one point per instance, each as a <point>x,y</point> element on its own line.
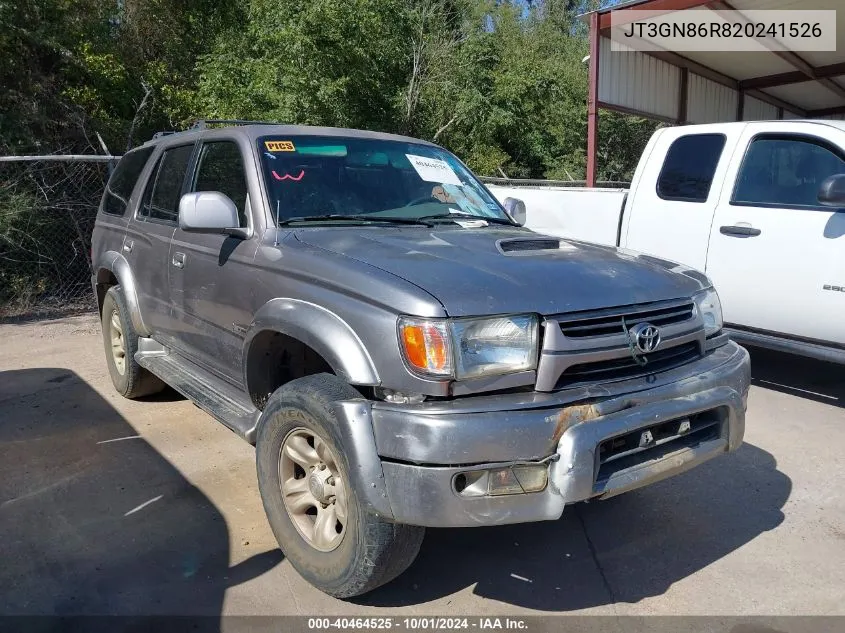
<point>152,507</point>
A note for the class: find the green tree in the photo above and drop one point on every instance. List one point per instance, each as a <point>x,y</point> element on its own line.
<point>316,63</point>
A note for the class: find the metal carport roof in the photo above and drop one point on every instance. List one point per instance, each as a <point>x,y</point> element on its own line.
<point>708,87</point>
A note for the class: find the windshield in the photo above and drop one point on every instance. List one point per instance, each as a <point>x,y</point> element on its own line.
<point>310,176</point>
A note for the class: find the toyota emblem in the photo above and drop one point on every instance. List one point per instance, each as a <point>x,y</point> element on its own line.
<point>646,337</point>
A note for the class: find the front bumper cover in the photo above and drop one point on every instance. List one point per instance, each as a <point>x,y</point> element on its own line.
<point>419,449</point>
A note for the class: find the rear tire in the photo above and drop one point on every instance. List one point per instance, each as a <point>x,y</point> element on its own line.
<point>365,550</point>
<point>120,341</point>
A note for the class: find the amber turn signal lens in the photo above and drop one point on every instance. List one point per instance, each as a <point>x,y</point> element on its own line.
<point>426,347</point>
<point>414,340</point>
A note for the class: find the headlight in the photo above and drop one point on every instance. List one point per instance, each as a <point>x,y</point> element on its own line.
<point>502,345</point>
<point>710,308</point>
<point>469,348</point>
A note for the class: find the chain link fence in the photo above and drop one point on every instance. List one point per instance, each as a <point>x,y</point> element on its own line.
<point>47,209</point>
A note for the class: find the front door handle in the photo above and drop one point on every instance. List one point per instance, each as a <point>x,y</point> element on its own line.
<point>178,260</point>
<point>739,231</point>
<point>127,246</point>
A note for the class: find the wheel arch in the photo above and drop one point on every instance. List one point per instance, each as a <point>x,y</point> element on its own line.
<point>112,268</point>
<point>315,328</point>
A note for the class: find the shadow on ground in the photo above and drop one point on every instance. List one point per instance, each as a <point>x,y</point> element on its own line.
<point>621,550</point>
<point>93,520</point>
<point>631,547</point>
<point>798,376</point>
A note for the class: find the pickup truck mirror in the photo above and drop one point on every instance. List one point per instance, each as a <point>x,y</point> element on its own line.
<point>209,212</point>
<point>516,209</point>
<point>832,191</point>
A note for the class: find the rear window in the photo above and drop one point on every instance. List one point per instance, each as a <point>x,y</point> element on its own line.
<point>123,180</point>
<point>164,188</point>
<point>688,170</point>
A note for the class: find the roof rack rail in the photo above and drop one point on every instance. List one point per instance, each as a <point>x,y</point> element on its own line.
<point>164,133</point>
<point>201,124</point>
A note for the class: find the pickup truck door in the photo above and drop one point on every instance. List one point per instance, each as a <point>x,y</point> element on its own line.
<point>146,245</point>
<point>210,274</point>
<point>777,256</point>
<point>671,203</point>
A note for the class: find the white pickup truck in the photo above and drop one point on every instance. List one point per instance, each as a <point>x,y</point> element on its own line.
<point>758,206</point>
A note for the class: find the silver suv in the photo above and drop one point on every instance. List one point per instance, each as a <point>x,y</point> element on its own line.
<point>400,350</point>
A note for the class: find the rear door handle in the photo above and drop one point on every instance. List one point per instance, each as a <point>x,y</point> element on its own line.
<point>739,231</point>
<point>127,246</point>
<point>178,260</point>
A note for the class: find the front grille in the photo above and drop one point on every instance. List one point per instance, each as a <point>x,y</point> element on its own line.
<point>610,321</point>
<point>630,450</point>
<point>627,367</point>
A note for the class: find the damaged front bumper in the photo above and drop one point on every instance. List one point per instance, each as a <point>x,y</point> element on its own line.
<point>596,442</point>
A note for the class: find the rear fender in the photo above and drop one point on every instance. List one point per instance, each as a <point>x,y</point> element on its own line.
<point>117,264</point>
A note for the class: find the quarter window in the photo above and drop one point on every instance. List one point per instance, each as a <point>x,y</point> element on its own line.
<point>164,189</point>
<point>123,180</point>
<point>784,172</point>
<point>688,170</point>
<point>220,168</point>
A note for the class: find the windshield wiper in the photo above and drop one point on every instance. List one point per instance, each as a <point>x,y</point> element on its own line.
<point>333,217</point>
<point>467,216</point>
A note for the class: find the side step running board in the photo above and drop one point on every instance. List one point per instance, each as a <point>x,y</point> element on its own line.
<point>208,392</point>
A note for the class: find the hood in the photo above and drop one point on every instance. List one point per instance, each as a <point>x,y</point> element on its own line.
<point>496,270</point>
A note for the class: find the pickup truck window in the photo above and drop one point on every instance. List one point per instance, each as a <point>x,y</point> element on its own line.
<point>310,176</point>
<point>123,180</point>
<point>688,170</point>
<point>220,168</point>
<point>164,189</point>
<point>785,172</point>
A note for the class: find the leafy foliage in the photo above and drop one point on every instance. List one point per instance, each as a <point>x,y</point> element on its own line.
<point>500,82</point>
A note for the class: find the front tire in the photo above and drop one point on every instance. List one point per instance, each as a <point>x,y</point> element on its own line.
<point>121,342</point>
<point>330,538</point>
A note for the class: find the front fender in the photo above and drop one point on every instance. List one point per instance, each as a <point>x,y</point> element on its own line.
<point>117,264</point>
<point>322,330</point>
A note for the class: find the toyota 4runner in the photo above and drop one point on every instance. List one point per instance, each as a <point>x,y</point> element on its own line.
<point>399,349</point>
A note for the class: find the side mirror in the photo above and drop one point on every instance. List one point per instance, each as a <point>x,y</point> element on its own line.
<point>516,209</point>
<point>832,191</point>
<point>210,212</point>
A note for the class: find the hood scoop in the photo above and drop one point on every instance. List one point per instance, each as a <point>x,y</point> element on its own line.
<point>527,245</point>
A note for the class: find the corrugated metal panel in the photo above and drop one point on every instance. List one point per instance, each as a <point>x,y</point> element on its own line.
<point>835,117</point>
<point>809,95</point>
<point>710,102</point>
<point>756,110</point>
<point>638,82</point>
<point>790,115</point>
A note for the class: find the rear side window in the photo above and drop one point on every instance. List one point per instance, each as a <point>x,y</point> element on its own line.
<point>785,172</point>
<point>164,188</point>
<point>688,170</point>
<point>123,180</point>
<point>220,168</point>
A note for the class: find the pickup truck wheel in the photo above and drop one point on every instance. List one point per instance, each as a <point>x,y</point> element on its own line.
<point>329,537</point>
<point>121,342</point>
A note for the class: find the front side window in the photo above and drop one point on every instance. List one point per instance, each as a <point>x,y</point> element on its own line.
<point>123,180</point>
<point>689,167</point>
<point>164,189</point>
<point>220,168</point>
<point>310,176</point>
<point>784,172</point>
